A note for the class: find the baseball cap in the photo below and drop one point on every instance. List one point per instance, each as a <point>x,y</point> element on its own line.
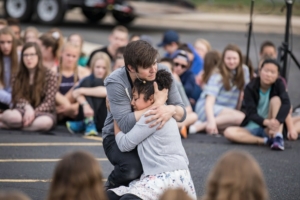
<point>169,37</point>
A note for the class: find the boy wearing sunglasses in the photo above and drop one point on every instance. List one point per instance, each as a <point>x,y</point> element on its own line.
<point>182,69</point>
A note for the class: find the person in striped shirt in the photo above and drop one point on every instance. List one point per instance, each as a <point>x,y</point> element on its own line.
<point>218,103</point>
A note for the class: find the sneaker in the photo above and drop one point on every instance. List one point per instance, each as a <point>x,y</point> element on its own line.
<point>183,132</point>
<point>75,126</point>
<point>192,130</point>
<point>90,129</point>
<point>270,141</point>
<point>278,144</point>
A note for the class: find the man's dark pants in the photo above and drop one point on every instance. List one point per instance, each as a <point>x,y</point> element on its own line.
<point>127,165</point>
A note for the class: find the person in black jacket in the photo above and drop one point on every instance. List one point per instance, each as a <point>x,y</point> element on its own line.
<point>267,105</point>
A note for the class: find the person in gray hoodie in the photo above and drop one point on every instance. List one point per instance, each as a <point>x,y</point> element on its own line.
<point>162,155</point>
<point>8,65</point>
<point>140,63</point>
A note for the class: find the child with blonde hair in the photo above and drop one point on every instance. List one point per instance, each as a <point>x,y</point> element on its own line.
<point>91,94</point>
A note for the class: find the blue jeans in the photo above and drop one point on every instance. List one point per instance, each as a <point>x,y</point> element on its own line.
<point>259,132</point>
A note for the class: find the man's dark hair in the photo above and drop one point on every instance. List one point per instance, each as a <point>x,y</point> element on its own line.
<point>266,44</point>
<point>163,80</point>
<point>166,59</point>
<point>185,47</point>
<point>272,61</point>
<point>139,54</point>
<point>120,50</point>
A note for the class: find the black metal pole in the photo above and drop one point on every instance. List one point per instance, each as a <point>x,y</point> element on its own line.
<point>249,31</point>
<point>289,4</point>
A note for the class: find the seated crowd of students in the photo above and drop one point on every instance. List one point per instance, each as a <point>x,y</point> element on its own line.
<point>45,78</point>
<point>78,175</point>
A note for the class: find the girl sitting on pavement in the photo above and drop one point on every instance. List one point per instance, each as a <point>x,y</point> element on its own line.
<point>77,176</point>
<point>236,176</point>
<point>162,155</point>
<point>267,105</point>
<point>91,94</point>
<point>68,76</point>
<point>33,94</point>
<point>78,40</point>
<point>8,66</point>
<point>220,96</point>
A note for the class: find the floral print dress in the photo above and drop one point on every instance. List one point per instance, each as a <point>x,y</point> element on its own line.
<point>151,187</point>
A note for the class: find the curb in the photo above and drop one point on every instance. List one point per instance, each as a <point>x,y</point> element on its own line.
<point>222,22</point>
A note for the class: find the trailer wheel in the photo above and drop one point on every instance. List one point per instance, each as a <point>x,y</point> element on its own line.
<point>94,14</point>
<point>50,11</point>
<point>122,17</point>
<point>19,9</point>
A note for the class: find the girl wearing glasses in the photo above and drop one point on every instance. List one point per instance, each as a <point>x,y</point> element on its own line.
<point>33,94</point>
<point>216,107</point>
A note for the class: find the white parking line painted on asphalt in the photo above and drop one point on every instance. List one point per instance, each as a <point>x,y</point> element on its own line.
<point>50,144</point>
<point>29,180</point>
<point>93,138</point>
<point>39,160</point>
<point>24,180</point>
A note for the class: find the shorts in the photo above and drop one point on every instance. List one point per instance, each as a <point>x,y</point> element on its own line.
<point>200,110</point>
<point>259,132</point>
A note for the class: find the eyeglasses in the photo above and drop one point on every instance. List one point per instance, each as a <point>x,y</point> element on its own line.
<point>181,65</point>
<point>29,55</point>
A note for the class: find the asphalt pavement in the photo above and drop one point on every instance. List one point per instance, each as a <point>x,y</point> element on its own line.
<point>27,160</point>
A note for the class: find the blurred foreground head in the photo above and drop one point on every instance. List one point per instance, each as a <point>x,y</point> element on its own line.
<point>236,176</point>
<point>13,195</point>
<point>77,176</point>
<point>175,194</point>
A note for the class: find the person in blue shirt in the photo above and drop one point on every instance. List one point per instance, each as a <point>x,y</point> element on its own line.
<point>195,59</point>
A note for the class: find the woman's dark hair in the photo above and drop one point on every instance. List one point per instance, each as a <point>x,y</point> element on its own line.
<point>212,60</point>
<point>163,79</point>
<point>21,88</point>
<point>49,41</point>
<point>270,60</point>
